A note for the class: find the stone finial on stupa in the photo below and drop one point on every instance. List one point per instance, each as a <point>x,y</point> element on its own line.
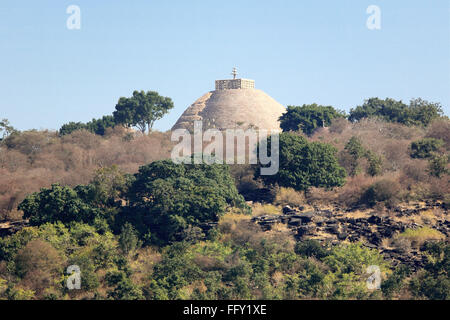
<point>235,83</point>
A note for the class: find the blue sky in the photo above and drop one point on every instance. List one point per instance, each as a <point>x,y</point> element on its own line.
<point>299,52</point>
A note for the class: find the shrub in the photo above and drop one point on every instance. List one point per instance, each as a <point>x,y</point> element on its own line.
<point>288,196</point>
<point>395,282</point>
<point>384,190</point>
<point>128,239</point>
<point>124,288</point>
<point>440,129</point>
<point>437,165</point>
<point>375,164</point>
<point>353,151</point>
<point>421,235</point>
<point>308,117</point>
<point>39,265</point>
<point>425,148</point>
<point>433,282</point>
<point>347,276</point>
<point>338,125</point>
<point>418,112</point>
<point>304,164</point>
<point>57,204</point>
<point>311,248</point>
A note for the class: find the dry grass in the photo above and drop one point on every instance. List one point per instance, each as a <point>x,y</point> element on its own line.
<point>288,196</point>
<point>142,263</point>
<point>259,209</point>
<point>420,235</point>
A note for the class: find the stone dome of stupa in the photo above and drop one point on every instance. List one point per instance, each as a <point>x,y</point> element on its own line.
<point>234,104</point>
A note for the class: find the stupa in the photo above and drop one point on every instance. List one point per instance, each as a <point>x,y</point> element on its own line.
<point>235,103</point>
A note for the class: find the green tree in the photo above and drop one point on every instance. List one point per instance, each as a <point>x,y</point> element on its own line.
<point>87,266</point>
<point>375,163</point>
<point>176,271</point>
<point>97,126</point>
<point>70,127</point>
<point>433,282</point>
<point>142,109</point>
<point>166,198</point>
<point>304,164</point>
<point>395,282</point>
<point>423,112</point>
<point>57,204</point>
<point>424,148</point>
<point>355,151</point>
<point>437,165</point>
<point>388,109</point>
<point>128,239</point>
<point>308,117</point>
<point>418,112</point>
<point>311,248</point>
<point>124,288</point>
<point>347,276</point>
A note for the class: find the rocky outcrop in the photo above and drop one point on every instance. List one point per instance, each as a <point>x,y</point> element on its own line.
<point>336,226</point>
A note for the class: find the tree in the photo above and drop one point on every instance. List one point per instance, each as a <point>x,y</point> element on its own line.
<point>176,270</point>
<point>304,164</point>
<point>70,127</point>
<point>381,191</point>
<point>57,204</point>
<point>418,112</point>
<point>142,109</point>
<point>424,148</point>
<point>347,277</point>
<point>395,282</point>
<point>433,282</point>
<point>128,239</point>
<point>124,288</point>
<point>423,112</point>
<point>97,126</point>
<point>311,248</point>
<point>30,142</point>
<point>388,109</point>
<point>166,198</point>
<point>355,151</point>
<point>5,129</point>
<point>308,117</point>
<point>375,163</point>
<point>437,165</point>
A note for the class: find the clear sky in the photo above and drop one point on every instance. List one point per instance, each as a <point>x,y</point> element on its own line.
<point>298,52</point>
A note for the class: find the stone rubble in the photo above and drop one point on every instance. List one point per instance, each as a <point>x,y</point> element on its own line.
<point>334,227</point>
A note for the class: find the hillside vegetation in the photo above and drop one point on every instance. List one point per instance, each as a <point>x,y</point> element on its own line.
<point>142,227</point>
